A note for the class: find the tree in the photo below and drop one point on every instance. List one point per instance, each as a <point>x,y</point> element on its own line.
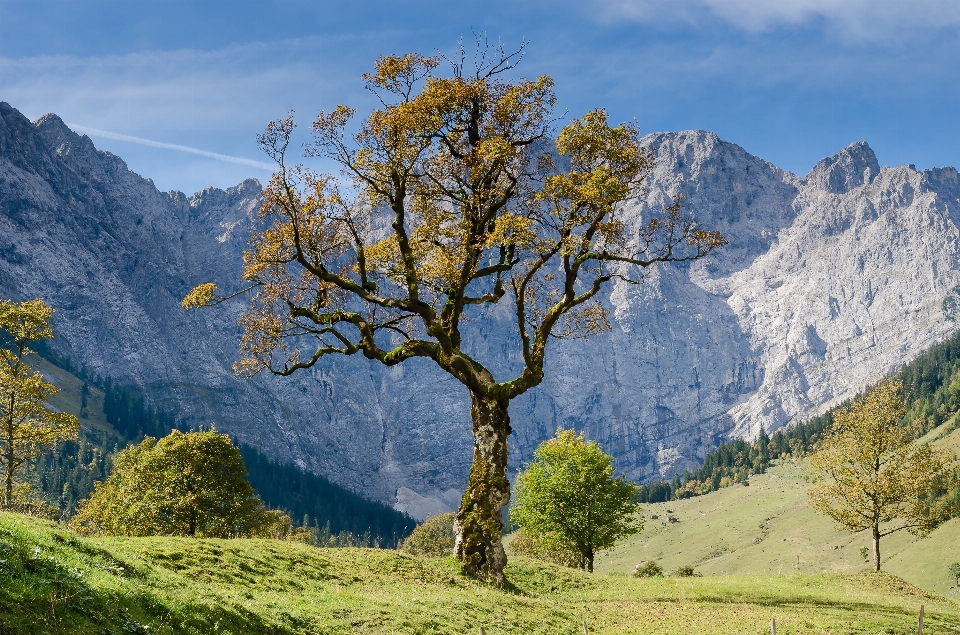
<point>569,493</point>
<point>453,199</point>
<point>28,425</point>
<point>433,537</point>
<point>185,484</point>
<point>870,475</point>
<point>954,570</point>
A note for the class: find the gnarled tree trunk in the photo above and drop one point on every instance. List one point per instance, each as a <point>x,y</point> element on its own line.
<point>876,547</point>
<point>478,526</point>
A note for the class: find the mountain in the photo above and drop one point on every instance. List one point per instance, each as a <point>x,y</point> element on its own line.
<point>829,282</point>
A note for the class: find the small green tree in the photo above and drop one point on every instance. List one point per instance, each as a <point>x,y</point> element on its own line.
<point>569,493</point>
<point>954,570</point>
<point>433,537</point>
<point>871,476</point>
<point>28,426</point>
<point>186,484</point>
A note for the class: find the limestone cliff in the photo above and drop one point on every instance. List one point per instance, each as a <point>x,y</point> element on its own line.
<point>829,282</point>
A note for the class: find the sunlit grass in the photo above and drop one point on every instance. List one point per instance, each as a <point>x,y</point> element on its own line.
<point>768,528</point>
<point>54,582</point>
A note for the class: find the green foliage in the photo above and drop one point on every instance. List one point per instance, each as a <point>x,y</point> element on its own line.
<point>648,569</point>
<point>191,484</point>
<point>685,571</point>
<point>27,424</point>
<point>433,537</point>
<point>954,570</point>
<point>569,493</point>
<point>548,547</point>
<point>865,553</point>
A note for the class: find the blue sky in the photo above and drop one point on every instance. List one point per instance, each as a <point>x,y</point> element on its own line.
<point>791,81</point>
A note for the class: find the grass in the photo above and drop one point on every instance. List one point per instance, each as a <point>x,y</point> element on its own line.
<point>52,581</point>
<point>767,528</point>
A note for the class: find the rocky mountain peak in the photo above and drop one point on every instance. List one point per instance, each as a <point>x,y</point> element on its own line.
<point>56,133</point>
<point>827,284</point>
<point>850,168</point>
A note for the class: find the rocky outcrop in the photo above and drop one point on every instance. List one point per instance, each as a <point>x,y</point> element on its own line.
<point>829,282</point>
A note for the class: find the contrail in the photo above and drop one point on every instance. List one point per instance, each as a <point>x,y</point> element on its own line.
<point>171,146</point>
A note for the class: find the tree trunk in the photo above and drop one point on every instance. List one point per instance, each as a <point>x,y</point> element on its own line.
<point>478,526</point>
<point>8,489</point>
<point>876,548</point>
<point>8,469</point>
<point>589,555</point>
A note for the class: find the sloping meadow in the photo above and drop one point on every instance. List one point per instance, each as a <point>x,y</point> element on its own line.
<point>52,581</point>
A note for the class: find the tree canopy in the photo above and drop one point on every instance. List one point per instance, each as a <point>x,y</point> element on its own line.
<point>185,484</point>
<point>432,537</point>
<point>28,425</point>
<point>871,475</point>
<point>569,495</point>
<point>457,193</point>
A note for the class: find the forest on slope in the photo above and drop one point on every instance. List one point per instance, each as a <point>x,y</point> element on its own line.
<point>113,416</point>
<point>932,392</point>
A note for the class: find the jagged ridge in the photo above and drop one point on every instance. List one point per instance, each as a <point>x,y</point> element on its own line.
<point>830,281</point>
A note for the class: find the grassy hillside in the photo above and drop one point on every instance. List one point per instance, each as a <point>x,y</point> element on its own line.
<point>54,582</point>
<point>767,528</point>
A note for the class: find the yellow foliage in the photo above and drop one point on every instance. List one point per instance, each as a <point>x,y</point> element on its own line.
<point>870,475</point>
<point>27,425</point>
<point>200,296</point>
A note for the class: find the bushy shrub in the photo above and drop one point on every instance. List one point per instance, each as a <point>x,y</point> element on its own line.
<point>648,569</point>
<point>685,571</point>
<point>185,484</point>
<point>549,548</point>
<point>433,537</point>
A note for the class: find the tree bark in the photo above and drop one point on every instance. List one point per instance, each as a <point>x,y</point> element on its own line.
<point>876,548</point>
<point>8,468</point>
<point>479,527</point>
<point>589,555</point>
<point>8,488</point>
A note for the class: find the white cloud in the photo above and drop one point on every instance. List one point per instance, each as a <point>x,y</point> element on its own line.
<point>859,19</point>
<point>170,146</point>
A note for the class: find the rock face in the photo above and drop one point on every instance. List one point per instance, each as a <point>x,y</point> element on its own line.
<point>829,282</point>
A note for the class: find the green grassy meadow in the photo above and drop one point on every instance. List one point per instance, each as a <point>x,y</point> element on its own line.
<point>52,581</point>
<point>767,528</point>
<point>762,554</point>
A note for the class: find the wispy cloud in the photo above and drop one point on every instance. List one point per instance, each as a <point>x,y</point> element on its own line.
<point>170,146</point>
<point>858,19</point>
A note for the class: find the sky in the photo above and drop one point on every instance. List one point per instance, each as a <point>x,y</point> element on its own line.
<point>180,89</point>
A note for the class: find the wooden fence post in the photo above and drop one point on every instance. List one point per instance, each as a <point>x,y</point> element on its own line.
<point>773,626</point>
<point>920,623</point>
